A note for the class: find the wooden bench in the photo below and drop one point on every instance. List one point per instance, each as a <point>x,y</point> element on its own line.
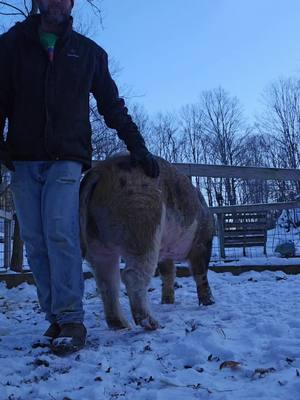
<point>245,229</point>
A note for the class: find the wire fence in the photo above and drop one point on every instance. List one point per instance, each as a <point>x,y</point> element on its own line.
<point>281,243</point>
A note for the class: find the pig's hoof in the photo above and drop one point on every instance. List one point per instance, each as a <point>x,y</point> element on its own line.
<point>118,324</point>
<point>167,300</point>
<point>149,323</point>
<point>207,300</point>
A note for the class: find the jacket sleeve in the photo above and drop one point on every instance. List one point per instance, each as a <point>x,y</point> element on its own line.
<point>113,108</point>
<point>5,90</point>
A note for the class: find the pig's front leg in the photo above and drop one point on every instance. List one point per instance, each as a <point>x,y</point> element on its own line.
<point>106,270</point>
<point>136,277</point>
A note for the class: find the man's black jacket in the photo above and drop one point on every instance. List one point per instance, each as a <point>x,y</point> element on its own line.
<point>47,104</point>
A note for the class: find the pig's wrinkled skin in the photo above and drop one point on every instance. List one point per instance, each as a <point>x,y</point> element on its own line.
<point>147,222</point>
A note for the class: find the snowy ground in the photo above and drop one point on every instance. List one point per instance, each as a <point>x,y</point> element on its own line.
<point>255,322</point>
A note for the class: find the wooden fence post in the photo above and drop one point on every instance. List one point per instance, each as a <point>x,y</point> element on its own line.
<point>221,234</point>
<point>7,242</point>
<point>17,251</point>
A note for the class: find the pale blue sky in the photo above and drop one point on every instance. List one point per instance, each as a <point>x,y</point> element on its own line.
<point>171,50</point>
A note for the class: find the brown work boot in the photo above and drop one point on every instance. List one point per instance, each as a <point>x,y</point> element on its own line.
<point>53,331</point>
<point>71,338</point>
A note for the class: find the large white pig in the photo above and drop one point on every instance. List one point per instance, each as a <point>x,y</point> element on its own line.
<point>147,222</point>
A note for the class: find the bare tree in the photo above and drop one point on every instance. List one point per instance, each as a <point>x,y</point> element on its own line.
<point>280,123</point>
<point>191,122</point>
<point>225,128</point>
<point>165,138</point>
<point>281,118</point>
<point>196,143</point>
<point>104,140</point>
<point>255,153</point>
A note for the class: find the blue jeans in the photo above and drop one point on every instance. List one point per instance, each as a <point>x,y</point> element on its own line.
<point>46,198</point>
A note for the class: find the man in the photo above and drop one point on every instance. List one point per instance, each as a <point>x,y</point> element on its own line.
<point>47,72</point>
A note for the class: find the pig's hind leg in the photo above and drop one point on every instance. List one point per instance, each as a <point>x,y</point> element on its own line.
<point>167,273</point>
<point>199,258</point>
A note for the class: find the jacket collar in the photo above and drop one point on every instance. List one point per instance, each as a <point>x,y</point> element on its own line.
<point>30,27</point>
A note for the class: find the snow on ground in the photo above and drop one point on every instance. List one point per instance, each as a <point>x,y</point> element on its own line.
<point>255,322</point>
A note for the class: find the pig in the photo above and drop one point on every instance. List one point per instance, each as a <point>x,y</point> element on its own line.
<point>148,223</point>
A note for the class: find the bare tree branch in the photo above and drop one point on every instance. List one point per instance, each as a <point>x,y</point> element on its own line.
<point>18,10</point>
<point>96,8</point>
<point>33,9</point>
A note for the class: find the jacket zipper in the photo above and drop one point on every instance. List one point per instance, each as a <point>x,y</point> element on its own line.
<point>46,130</point>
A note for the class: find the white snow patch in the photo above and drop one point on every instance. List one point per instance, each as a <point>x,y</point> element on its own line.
<point>255,321</point>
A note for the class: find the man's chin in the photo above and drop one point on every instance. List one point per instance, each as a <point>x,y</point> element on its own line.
<point>55,19</point>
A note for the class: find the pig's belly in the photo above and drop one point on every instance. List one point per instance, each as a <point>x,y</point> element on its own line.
<point>176,240</point>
